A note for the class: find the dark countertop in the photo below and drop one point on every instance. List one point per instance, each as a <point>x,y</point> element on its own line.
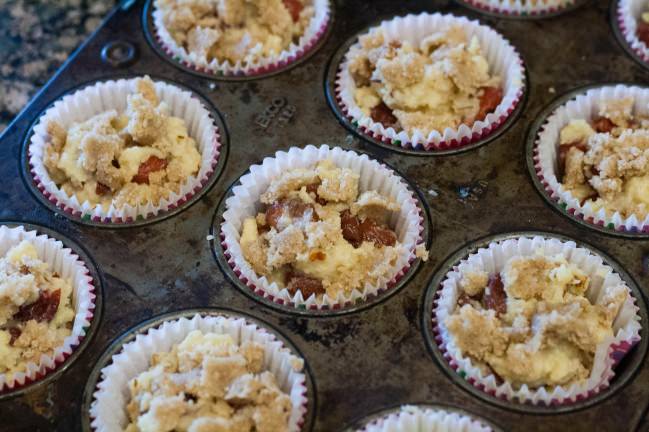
<point>36,37</point>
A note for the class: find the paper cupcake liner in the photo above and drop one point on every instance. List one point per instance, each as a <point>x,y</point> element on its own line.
<point>108,407</point>
<point>492,259</point>
<point>111,95</point>
<point>70,267</point>
<point>585,106</point>
<point>503,60</point>
<point>408,222</point>
<point>522,8</point>
<point>315,31</point>
<point>411,418</point>
<point>628,14</point>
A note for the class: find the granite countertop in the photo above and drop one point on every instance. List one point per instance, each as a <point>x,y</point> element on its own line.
<point>36,37</point>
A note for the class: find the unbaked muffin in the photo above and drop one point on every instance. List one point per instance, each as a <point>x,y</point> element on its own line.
<point>532,323</point>
<point>36,312</point>
<point>605,161</point>
<point>317,234</point>
<point>441,82</point>
<point>233,30</point>
<point>208,383</point>
<point>134,157</point>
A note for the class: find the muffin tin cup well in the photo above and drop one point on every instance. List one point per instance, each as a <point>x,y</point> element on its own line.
<point>427,417</point>
<point>204,124</point>
<point>625,354</point>
<point>106,389</point>
<point>503,59</point>
<point>72,262</point>
<point>413,218</point>
<point>624,18</point>
<point>542,142</point>
<point>521,9</point>
<point>165,46</point>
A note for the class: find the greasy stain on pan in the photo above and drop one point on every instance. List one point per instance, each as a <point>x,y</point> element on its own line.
<point>617,25</point>
<point>488,8</point>
<point>97,312</point>
<point>332,70</point>
<point>259,295</point>
<point>264,72</point>
<point>541,185</point>
<point>142,328</point>
<point>624,370</point>
<point>184,203</point>
<point>362,423</point>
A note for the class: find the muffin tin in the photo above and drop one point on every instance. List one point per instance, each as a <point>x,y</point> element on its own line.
<point>366,360</point>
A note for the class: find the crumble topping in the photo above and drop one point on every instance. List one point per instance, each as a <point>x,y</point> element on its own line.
<point>441,83</point>
<point>234,30</point>
<point>605,161</point>
<point>136,157</point>
<point>317,235</point>
<point>208,383</point>
<point>532,323</point>
<point>36,313</point>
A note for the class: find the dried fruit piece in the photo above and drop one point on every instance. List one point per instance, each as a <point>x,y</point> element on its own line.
<point>313,188</point>
<point>350,226</point>
<point>602,124</point>
<point>489,101</point>
<point>563,152</point>
<point>101,189</point>
<point>494,296</point>
<point>152,164</point>
<point>15,333</point>
<point>378,234</point>
<point>307,285</point>
<point>43,309</point>
<point>383,114</point>
<point>294,8</point>
<point>643,32</point>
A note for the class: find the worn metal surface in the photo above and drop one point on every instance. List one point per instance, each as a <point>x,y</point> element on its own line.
<point>368,360</point>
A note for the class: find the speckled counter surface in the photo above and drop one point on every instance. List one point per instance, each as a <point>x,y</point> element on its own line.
<point>36,37</point>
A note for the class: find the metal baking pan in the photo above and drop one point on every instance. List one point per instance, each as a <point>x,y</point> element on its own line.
<point>363,361</point>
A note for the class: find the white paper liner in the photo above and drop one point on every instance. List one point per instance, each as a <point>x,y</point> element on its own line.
<point>628,14</point>
<point>312,35</point>
<point>626,327</point>
<point>585,106</point>
<point>522,7</point>
<point>70,267</point>
<point>411,418</point>
<point>503,60</point>
<point>407,223</point>
<point>108,408</point>
<point>111,95</point>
